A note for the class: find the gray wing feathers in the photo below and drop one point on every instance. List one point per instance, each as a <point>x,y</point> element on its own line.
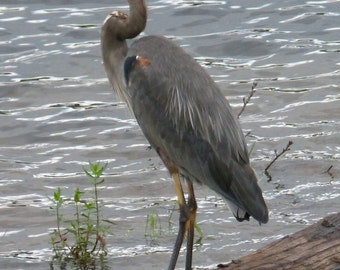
<point>181,110</point>
<point>196,100</point>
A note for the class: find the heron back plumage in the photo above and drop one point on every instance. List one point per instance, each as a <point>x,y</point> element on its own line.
<point>183,114</point>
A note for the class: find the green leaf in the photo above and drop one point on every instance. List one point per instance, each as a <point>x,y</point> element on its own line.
<point>57,195</point>
<point>89,205</point>
<point>100,181</point>
<point>109,221</point>
<point>200,232</point>
<point>77,195</point>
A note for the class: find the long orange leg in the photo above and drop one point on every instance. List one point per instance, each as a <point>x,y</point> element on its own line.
<point>184,217</point>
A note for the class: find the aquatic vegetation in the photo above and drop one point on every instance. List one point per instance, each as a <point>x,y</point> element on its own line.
<point>82,242</point>
<point>153,227</point>
<point>154,230</point>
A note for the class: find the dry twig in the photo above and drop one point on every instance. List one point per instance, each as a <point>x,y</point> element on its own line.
<point>277,155</point>
<point>330,173</point>
<point>246,100</point>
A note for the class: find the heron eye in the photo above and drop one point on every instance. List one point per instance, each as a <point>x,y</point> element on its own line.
<point>128,65</point>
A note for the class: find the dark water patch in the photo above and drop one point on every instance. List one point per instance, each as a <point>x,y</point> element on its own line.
<point>15,49</point>
<point>81,34</point>
<point>43,78</point>
<point>240,48</point>
<point>79,26</point>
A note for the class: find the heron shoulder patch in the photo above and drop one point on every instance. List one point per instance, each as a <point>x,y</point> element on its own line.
<point>142,61</point>
<point>134,61</point>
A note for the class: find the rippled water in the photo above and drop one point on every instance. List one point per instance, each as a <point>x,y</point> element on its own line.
<point>57,112</point>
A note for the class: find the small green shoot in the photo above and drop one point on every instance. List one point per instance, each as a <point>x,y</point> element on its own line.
<point>153,228</point>
<point>201,235</point>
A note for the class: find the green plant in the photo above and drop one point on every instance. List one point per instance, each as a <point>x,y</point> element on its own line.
<point>200,232</point>
<point>153,228</point>
<point>82,243</point>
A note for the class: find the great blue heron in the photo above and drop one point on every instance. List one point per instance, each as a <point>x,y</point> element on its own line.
<point>185,118</point>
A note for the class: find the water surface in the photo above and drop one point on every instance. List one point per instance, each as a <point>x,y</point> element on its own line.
<point>57,112</point>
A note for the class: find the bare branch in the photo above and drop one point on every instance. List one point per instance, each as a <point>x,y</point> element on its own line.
<point>246,100</point>
<point>330,173</point>
<point>277,155</point>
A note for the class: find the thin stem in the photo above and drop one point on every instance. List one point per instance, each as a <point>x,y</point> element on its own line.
<point>277,155</point>
<point>59,200</point>
<point>78,221</point>
<point>97,212</point>
<point>330,173</point>
<point>246,100</point>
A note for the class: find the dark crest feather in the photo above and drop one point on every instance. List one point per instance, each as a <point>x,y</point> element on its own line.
<point>128,65</point>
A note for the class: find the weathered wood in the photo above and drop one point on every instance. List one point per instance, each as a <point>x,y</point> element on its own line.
<point>315,247</point>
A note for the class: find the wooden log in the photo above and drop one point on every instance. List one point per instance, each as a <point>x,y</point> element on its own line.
<point>316,247</point>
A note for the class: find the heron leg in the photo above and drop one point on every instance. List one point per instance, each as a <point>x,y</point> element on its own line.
<point>191,224</point>
<point>184,216</point>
